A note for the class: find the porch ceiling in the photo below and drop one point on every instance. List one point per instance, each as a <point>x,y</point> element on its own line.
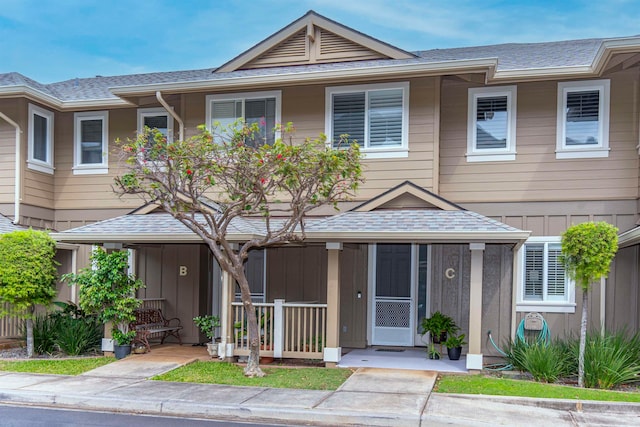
<point>373,226</point>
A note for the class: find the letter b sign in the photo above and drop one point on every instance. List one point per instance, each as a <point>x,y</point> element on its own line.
<point>182,270</point>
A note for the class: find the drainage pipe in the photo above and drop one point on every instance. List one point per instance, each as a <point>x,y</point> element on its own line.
<point>173,113</point>
<point>16,209</point>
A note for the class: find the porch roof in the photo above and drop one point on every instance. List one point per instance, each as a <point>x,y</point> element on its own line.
<point>373,226</point>
<point>6,226</point>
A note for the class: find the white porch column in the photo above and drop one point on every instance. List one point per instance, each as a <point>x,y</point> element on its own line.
<point>278,328</point>
<point>225,349</point>
<point>474,357</point>
<point>332,351</point>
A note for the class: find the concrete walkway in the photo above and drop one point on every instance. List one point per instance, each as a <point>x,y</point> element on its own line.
<point>376,397</point>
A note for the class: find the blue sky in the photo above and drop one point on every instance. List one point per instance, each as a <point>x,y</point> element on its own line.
<point>63,39</point>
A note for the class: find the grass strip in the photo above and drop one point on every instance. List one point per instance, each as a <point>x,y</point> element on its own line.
<point>480,384</point>
<point>56,366</point>
<point>230,374</point>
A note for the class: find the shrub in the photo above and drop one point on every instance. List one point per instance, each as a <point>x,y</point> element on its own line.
<point>44,332</point>
<point>544,361</point>
<point>78,335</point>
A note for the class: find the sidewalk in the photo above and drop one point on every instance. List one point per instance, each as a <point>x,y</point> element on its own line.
<point>376,397</point>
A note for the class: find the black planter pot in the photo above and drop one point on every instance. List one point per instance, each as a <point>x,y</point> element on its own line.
<point>454,353</point>
<point>121,351</point>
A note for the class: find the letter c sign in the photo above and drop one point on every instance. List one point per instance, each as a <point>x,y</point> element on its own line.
<point>450,273</point>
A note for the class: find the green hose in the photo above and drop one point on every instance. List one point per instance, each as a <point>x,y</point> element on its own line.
<point>544,337</point>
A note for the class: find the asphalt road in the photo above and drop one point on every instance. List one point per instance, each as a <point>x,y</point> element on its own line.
<point>28,416</point>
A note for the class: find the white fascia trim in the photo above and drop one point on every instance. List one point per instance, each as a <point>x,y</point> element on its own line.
<point>51,101</point>
<point>70,237</point>
<point>442,236</point>
<point>629,238</point>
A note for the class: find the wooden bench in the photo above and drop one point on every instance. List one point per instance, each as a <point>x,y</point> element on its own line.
<point>150,323</point>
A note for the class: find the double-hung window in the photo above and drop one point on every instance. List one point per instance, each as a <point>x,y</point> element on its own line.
<point>91,142</point>
<point>374,116</point>
<point>583,119</point>
<point>544,284</point>
<point>155,119</point>
<point>491,124</point>
<point>40,137</point>
<point>260,108</point>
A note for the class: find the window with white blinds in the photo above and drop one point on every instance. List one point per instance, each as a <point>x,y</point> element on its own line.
<point>583,119</point>
<point>91,142</point>
<point>259,108</point>
<point>491,124</point>
<point>543,276</point>
<point>374,116</point>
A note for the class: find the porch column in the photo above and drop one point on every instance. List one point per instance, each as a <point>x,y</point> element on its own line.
<point>332,351</point>
<point>225,349</point>
<point>474,357</point>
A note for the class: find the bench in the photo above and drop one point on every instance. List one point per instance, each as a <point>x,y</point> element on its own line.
<point>150,323</point>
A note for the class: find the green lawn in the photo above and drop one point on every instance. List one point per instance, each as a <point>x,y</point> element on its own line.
<point>55,366</point>
<point>229,374</point>
<point>480,384</point>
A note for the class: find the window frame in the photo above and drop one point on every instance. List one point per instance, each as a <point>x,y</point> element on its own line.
<point>475,154</point>
<point>90,168</point>
<point>244,96</point>
<point>156,112</point>
<point>32,162</point>
<point>369,152</point>
<point>567,305</point>
<point>603,86</point>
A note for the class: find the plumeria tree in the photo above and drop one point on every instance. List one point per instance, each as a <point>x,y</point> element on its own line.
<point>274,185</point>
<point>587,252</point>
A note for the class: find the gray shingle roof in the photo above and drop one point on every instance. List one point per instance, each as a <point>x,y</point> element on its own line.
<point>6,226</point>
<point>510,56</point>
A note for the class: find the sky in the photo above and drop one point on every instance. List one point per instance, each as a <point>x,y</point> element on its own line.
<point>56,40</point>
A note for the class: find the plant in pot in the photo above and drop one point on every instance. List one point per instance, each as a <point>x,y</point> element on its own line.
<point>433,353</point>
<point>438,326</point>
<point>122,342</point>
<point>208,325</point>
<point>108,290</point>
<point>454,346</point>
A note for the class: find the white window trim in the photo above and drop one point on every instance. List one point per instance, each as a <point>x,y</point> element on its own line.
<point>372,153</point>
<point>568,306</point>
<point>591,151</point>
<point>36,164</point>
<point>155,112</point>
<point>491,154</point>
<point>243,96</point>
<point>95,168</point>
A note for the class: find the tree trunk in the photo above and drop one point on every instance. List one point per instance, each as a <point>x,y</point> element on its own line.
<point>253,363</point>
<point>29,323</point>
<point>583,337</point>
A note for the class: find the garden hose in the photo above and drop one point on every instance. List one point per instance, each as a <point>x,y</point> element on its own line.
<point>544,337</point>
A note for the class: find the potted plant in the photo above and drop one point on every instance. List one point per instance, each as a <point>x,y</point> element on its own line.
<point>454,346</point>
<point>438,326</point>
<point>208,325</point>
<point>108,290</point>
<point>122,342</point>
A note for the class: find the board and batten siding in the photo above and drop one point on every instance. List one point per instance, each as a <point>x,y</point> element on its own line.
<point>536,174</point>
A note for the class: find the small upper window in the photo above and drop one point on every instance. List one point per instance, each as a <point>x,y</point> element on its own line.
<point>491,127</point>
<point>156,118</point>
<point>583,119</point>
<point>544,284</point>
<point>260,108</point>
<point>91,142</point>
<point>374,116</point>
<point>40,156</point>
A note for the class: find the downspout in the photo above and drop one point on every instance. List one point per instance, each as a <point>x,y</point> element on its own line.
<point>173,113</point>
<point>16,211</point>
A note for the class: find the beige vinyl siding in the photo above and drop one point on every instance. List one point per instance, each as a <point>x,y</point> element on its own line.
<point>15,109</point>
<point>536,175</point>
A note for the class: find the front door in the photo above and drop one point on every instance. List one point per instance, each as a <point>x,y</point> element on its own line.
<point>393,283</point>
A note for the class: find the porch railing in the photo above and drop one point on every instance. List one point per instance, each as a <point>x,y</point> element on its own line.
<point>291,330</point>
<point>9,326</point>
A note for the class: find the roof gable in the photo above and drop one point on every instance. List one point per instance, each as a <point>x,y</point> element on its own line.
<point>313,39</point>
<point>407,196</point>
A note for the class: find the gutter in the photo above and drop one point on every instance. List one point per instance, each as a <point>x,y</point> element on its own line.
<point>16,199</point>
<point>173,113</point>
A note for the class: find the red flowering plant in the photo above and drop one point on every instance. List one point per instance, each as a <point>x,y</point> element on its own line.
<point>244,179</point>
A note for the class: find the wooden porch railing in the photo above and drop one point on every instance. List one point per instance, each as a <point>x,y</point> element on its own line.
<point>291,330</point>
<point>9,326</point>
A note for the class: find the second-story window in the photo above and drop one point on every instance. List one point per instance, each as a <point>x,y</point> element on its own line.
<point>583,119</point>
<point>374,116</point>
<point>91,142</point>
<point>491,128</point>
<point>158,119</point>
<point>259,108</point>
<point>40,137</point>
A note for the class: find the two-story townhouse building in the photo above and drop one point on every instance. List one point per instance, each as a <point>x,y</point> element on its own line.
<point>477,159</point>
